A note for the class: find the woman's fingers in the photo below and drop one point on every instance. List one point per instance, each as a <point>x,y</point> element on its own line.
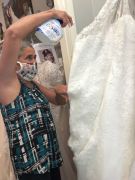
<point>66,18</point>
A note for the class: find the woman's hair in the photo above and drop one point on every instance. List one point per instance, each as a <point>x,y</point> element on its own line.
<point>24,45</point>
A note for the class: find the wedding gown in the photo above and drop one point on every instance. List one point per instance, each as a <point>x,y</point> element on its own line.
<point>6,170</point>
<point>102,95</point>
<point>49,75</point>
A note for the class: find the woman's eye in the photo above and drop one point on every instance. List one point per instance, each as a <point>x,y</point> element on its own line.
<point>30,57</point>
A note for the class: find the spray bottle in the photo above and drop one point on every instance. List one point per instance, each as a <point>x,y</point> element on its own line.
<point>50,32</point>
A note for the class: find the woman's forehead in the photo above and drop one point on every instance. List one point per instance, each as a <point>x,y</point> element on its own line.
<point>29,50</point>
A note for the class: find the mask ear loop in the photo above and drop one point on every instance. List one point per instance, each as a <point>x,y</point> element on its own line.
<point>21,66</point>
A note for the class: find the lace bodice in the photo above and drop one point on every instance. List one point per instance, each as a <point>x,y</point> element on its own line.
<point>51,74</point>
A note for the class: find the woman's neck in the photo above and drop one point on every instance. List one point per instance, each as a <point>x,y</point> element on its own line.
<point>27,83</point>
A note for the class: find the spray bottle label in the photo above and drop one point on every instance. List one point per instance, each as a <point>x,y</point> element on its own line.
<point>51,29</point>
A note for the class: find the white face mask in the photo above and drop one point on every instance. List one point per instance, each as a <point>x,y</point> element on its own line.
<point>27,71</point>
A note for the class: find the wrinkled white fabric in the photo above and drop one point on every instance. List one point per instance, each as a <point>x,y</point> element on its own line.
<point>50,75</point>
<point>102,96</point>
<point>6,169</point>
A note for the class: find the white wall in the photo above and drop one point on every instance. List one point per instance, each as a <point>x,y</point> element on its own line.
<point>85,11</point>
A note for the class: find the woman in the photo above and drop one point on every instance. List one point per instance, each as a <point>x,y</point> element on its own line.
<point>24,104</point>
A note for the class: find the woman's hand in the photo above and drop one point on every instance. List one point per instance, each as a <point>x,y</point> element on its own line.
<point>63,16</point>
<point>61,94</point>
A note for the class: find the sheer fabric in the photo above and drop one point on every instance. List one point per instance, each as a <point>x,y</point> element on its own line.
<point>49,75</point>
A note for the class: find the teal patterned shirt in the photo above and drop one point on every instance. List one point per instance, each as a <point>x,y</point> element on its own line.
<point>31,131</point>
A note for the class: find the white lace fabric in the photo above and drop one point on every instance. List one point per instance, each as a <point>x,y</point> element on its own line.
<point>50,75</point>
<point>102,96</point>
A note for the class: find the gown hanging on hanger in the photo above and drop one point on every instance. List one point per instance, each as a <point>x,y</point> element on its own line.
<point>51,74</point>
<point>102,95</point>
<point>6,169</point>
